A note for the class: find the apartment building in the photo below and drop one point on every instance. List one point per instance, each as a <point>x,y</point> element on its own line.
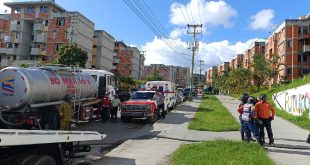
<point>176,74</point>
<point>130,60</point>
<point>211,72</point>
<point>222,68</point>
<point>236,62</point>
<point>182,76</point>
<point>291,44</point>
<point>103,56</point>
<point>257,48</point>
<point>38,29</point>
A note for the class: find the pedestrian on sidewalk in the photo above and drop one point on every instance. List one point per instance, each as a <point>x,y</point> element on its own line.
<point>115,104</point>
<point>247,112</point>
<point>106,105</point>
<point>265,114</point>
<point>243,99</point>
<point>160,98</point>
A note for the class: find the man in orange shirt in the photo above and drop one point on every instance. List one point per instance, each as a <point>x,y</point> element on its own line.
<point>265,114</point>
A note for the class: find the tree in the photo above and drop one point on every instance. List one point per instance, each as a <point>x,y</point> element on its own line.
<point>155,76</point>
<point>261,71</point>
<point>72,55</point>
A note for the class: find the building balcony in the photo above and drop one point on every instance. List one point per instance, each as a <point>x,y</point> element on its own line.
<point>115,61</point>
<point>38,27</point>
<point>8,51</point>
<point>15,27</point>
<point>8,38</point>
<point>39,38</point>
<point>306,48</point>
<point>37,52</point>
<point>59,15</point>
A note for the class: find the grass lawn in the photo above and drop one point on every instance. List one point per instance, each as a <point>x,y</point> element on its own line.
<point>221,152</point>
<point>213,116</point>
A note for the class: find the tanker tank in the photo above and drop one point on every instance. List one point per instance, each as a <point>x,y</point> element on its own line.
<point>33,86</point>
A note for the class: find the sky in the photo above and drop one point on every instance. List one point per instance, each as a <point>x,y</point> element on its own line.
<point>159,27</point>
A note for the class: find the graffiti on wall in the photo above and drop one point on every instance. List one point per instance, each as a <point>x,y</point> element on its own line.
<point>295,101</point>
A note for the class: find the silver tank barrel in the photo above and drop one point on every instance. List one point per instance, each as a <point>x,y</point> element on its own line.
<point>20,86</point>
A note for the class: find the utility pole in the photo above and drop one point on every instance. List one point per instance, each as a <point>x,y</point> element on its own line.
<point>194,48</point>
<point>200,68</point>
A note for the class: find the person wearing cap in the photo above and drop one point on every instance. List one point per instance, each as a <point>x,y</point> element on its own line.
<point>65,113</point>
<point>115,104</point>
<point>265,114</point>
<point>106,104</point>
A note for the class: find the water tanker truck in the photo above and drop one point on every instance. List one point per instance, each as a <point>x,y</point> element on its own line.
<point>28,93</point>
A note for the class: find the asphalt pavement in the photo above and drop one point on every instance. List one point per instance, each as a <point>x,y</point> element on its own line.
<point>138,143</point>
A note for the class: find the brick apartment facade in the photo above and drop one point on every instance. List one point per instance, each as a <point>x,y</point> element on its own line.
<point>257,48</point>
<point>291,43</point>
<point>211,72</point>
<point>34,31</point>
<point>130,60</point>
<point>222,68</point>
<point>176,74</point>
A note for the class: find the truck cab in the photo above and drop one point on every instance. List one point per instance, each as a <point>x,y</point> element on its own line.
<point>141,105</point>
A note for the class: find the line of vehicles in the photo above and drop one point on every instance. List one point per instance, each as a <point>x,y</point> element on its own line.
<point>27,95</point>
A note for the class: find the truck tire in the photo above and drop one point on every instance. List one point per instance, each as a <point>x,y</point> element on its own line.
<point>40,160</point>
<point>125,119</point>
<point>153,118</point>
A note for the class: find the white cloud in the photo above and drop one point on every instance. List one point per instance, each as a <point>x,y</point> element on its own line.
<point>178,32</point>
<point>215,53</point>
<point>262,19</point>
<point>204,12</point>
<point>4,8</point>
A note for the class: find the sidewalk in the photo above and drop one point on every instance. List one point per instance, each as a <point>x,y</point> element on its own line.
<point>290,146</point>
<point>165,136</point>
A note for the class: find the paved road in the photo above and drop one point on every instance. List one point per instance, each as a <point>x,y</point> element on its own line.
<point>142,143</point>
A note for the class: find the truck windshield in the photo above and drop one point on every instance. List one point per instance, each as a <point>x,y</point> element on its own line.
<point>144,95</point>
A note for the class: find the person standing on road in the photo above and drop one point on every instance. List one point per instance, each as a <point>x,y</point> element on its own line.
<point>65,113</point>
<point>265,114</point>
<point>106,105</point>
<point>160,98</point>
<point>247,112</point>
<point>115,104</point>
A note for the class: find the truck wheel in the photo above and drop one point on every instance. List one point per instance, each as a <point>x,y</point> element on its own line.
<point>153,118</point>
<point>125,119</point>
<point>41,160</point>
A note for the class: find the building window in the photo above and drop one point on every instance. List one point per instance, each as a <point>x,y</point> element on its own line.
<point>61,21</point>
<point>46,22</point>
<point>303,30</point>
<point>30,9</point>
<point>18,23</point>
<point>288,44</point>
<point>57,47</point>
<point>289,71</point>
<point>305,58</point>
<point>17,10</point>
<point>299,58</point>
<point>43,9</point>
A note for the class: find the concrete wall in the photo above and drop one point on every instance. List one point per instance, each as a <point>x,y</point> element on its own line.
<point>105,50</point>
<point>295,101</point>
<point>83,32</point>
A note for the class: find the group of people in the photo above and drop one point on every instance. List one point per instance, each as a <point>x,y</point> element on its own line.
<point>256,114</point>
<point>110,108</point>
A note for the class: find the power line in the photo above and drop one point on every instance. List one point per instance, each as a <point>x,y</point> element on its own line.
<point>199,11</point>
<point>142,10</point>
<point>182,12</point>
